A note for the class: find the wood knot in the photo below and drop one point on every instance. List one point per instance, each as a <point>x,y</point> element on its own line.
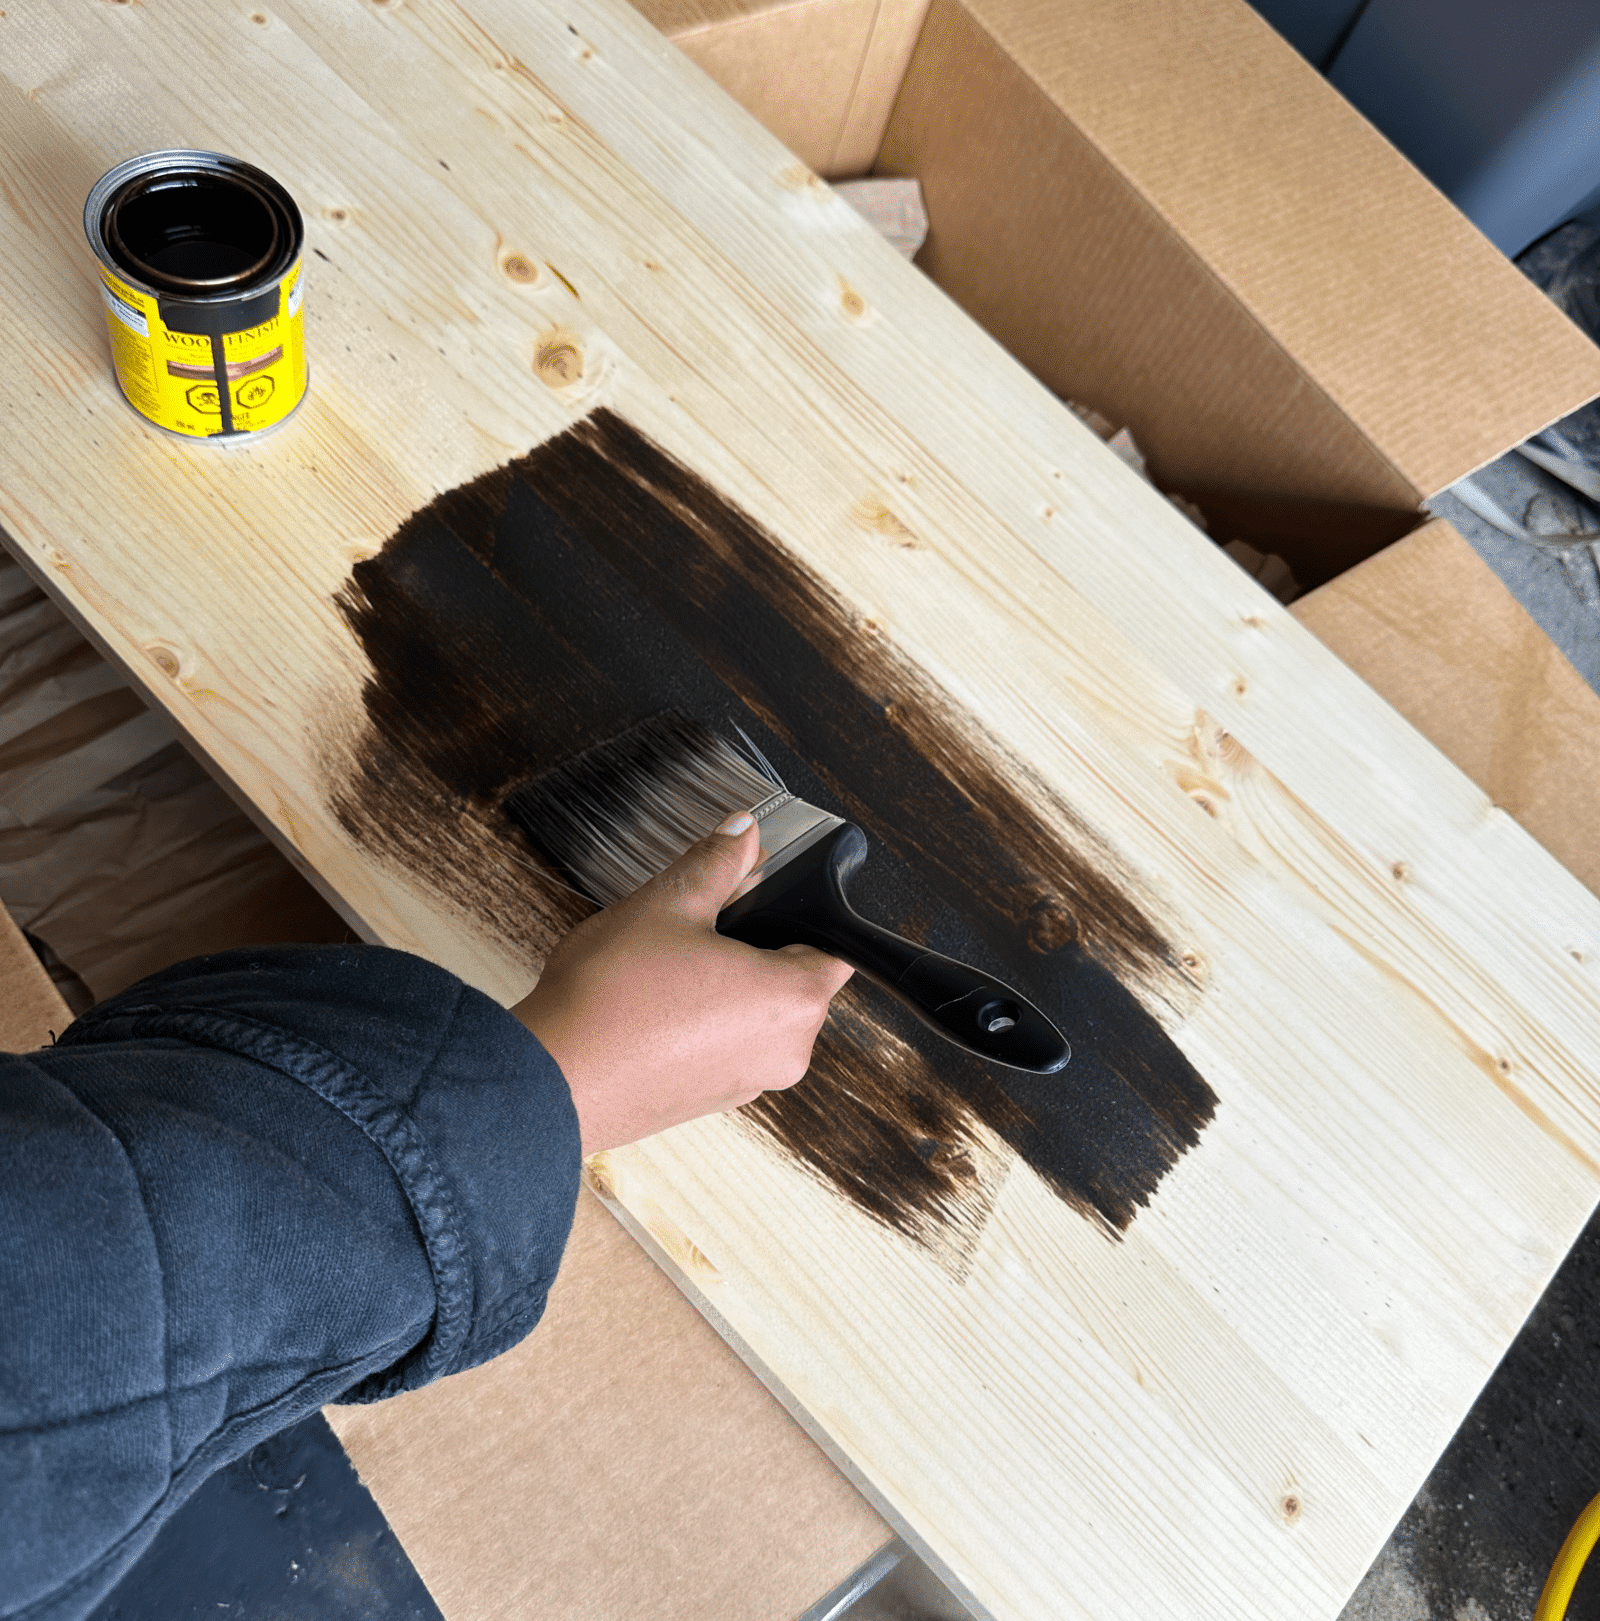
<point>519,268</point>
<point>871,513</point>
<point>1193,964</point>
<point>597,1174</point>
<point>337,215</point>
<point>1289,1507</point>
<point>259,18</point>
<point>558,358</point>
<point>1401,872</point>
<point>1051,925</point>
<point>850,301</point>
<point>1240,686</point>
<point>165,660</point>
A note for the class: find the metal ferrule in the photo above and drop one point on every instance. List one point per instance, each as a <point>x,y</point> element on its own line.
<point>788,826</point>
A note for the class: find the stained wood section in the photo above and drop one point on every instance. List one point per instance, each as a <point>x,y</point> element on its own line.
<point>523,214</point>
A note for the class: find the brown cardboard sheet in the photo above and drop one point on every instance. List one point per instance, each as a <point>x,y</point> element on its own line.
<point>621,1464</point>
<point>1430,626</point>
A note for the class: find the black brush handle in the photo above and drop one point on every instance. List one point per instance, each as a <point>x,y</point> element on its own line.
<point>803,903</point>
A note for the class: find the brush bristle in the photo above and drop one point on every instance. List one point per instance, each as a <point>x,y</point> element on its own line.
<point>613,816</point>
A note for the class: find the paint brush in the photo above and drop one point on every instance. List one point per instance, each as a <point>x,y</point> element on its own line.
<point>613,816</point>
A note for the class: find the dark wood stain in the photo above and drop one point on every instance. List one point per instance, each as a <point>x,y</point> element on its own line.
<point>596,580</point>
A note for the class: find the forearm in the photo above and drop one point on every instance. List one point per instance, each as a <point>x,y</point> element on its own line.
<point>246,1187</point>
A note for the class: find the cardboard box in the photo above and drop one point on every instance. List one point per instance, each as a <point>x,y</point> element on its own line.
<point>1169,216</point>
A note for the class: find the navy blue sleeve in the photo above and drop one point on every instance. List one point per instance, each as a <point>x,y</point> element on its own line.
<point>249,1185</point>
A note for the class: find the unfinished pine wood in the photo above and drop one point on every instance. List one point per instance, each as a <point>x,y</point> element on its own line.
<point>31,1008</point>
<point>521,212</point>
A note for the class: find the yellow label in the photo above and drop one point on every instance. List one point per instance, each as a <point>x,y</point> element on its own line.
<point>172,377</point>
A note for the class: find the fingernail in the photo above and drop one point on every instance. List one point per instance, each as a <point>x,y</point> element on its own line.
<point>737,823</point>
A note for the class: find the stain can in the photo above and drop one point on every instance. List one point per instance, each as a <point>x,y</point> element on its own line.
<point>200,270</point>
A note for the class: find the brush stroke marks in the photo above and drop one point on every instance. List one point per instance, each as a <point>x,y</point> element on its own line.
<point>549,604</point>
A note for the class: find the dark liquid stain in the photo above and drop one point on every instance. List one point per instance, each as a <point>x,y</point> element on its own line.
<point>549,604</point>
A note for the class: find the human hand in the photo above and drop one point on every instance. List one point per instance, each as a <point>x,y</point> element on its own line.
<point>655,1018</point>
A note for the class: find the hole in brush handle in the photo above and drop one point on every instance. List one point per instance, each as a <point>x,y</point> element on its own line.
<point>983,1014</point>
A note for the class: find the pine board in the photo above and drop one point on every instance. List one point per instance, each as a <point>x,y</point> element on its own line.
<point>529,218</point>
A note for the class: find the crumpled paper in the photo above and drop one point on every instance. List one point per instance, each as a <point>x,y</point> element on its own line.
<point>118,854</point>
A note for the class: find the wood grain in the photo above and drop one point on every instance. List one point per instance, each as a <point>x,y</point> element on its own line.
<point>31,1009</point>
<point>520,213</point>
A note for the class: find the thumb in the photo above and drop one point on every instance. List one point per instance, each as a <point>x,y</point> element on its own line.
<point>702,880</point>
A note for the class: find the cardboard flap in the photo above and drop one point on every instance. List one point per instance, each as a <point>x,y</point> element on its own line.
<point>1397,310</point>
<point>822,75</point>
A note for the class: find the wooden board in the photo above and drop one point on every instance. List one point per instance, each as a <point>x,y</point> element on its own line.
<point>31,1009</point>
<point>1182,1337</point>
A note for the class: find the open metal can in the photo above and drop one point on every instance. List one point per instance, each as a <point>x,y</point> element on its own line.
<point>200,269</point>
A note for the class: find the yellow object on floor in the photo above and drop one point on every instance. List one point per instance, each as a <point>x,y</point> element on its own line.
<point>1564,1573</point>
